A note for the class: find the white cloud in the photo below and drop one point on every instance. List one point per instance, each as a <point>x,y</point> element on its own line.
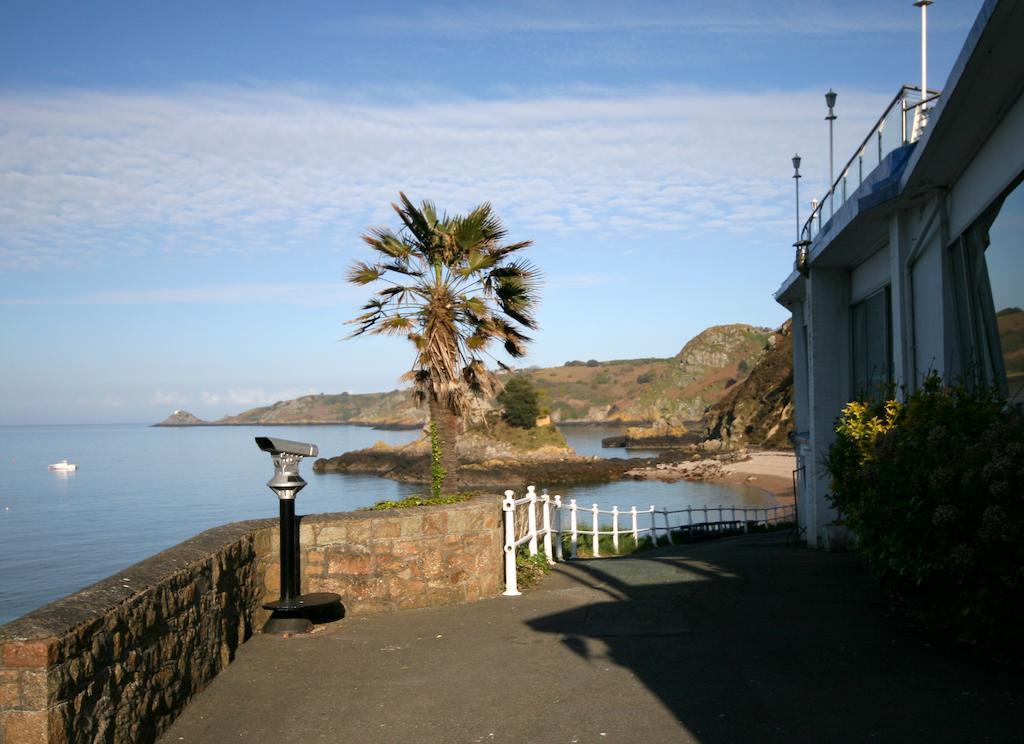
<point>721,18</point>
<point>252,396</point>
<point>91,176</point>
<point>315,294</point>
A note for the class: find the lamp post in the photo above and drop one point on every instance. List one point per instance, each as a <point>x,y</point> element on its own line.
<point>921,115</point>
<point>800,245</point>
<point>830,101</point>
<point>796,180</point>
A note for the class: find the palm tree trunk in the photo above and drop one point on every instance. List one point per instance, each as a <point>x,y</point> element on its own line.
<point>447,434</point>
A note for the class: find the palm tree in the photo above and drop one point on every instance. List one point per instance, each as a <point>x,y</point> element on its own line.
<point>453,288</point>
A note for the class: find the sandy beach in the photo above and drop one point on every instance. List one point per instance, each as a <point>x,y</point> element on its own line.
<point>771,471</point>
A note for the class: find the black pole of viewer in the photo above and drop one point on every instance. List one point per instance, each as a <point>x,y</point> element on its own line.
<point>289,612</point>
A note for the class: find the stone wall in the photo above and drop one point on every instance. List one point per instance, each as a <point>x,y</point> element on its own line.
<point>117,661</point>
<point>400,558</point>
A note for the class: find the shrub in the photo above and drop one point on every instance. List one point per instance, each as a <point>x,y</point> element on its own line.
<point>645,378</point>
<point>933,489</point>
<point>411,501</point>
<point>521,403</point>
<point>592,362</point>
<point>530,568</point>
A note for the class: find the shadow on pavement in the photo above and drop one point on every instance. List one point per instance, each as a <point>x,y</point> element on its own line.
<point>755,640</point>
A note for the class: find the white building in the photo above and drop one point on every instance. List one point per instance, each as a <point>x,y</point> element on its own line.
<point>915,251</point>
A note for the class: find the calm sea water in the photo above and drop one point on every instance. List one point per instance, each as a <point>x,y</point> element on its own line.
<point>139,490</point>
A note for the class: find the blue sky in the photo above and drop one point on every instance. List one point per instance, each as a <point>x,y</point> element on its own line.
<point>182,185</point>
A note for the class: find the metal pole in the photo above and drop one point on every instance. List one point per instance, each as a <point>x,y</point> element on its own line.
<point>289,552</point>
<point>923,5</point>
<point>796,179</point>
<point>830,101</point>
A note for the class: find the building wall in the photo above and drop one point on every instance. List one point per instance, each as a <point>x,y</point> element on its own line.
<point>828,341</point>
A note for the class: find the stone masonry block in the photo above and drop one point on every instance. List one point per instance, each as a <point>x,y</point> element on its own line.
<point>459,521</point>
<point>35,690</point>
<point>272,578</point>
<point>30,654</point>
<point>313,557</point>
<point>435,524</point>
<point>350,565</point>
<point>10,690</point>
<point>332,534</point>
<point>359,531</point>
<point>412,525</point>
<point>406,548</point>
<point>26,728</point>
<point>387,529</point>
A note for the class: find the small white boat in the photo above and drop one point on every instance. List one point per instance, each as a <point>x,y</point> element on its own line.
<point>63,465</point>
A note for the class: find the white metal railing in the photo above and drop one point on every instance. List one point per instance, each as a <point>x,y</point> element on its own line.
<point>901,124</point>
<point>521,525</point>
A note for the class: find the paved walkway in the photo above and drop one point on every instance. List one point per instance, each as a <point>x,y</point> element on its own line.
<point>738,640</point>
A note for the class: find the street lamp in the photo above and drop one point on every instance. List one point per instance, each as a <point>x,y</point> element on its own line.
<point>921,115</point>
<point>830,101</point>
<point>796,180</point>
<point>800,245</point>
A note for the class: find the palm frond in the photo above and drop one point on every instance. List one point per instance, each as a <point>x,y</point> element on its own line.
<point>363,273</point>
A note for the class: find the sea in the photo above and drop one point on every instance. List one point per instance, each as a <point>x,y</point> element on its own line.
<point>140,489</point>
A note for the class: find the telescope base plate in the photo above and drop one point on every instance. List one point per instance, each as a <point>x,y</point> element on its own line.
<point>290,615</point>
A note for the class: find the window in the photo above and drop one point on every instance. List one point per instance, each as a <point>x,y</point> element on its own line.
<point>871,352</point>
<point>991,306</point>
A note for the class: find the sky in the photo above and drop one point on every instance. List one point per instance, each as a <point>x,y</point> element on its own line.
<point>183,185</point>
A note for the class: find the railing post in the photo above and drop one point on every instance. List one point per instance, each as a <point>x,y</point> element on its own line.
<point>668,528</point>
<point>531,518</point>
<point>558,528</point>
<point>746,528</point>
<point>508,506</point>
<point>595,529</point>
<point>574,537</point>
<point>654,528</point>
<point>546,506</point>
<point>689,517</point>
<point>636,532</point>
<point>615,529</point>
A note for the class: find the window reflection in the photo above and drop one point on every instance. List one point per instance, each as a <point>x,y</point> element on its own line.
<point>1004,259</point>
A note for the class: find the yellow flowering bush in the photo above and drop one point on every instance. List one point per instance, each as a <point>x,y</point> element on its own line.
<point>933,489</point>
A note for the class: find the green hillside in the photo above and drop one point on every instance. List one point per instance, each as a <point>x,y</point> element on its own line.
<point>678,389</point>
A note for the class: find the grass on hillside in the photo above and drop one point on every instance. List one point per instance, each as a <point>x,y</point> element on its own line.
<point>527,439</point>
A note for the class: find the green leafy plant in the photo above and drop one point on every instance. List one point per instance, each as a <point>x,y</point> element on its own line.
<point>520,402</point>
<point>437,471</point>
<point>933,490</point>
<point>530,568</point>
<point>411,501</point>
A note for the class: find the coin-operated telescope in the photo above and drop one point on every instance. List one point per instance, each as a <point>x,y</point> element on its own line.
<point>289,611</point>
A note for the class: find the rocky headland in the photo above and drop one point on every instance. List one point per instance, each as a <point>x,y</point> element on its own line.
<point>487,459</point>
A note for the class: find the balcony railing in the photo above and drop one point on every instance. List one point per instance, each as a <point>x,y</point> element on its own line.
<point>901,124</point>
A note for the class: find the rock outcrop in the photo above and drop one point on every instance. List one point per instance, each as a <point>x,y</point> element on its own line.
<point>759,410</point>
<point>484,460</point>
<point>182,418</point>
